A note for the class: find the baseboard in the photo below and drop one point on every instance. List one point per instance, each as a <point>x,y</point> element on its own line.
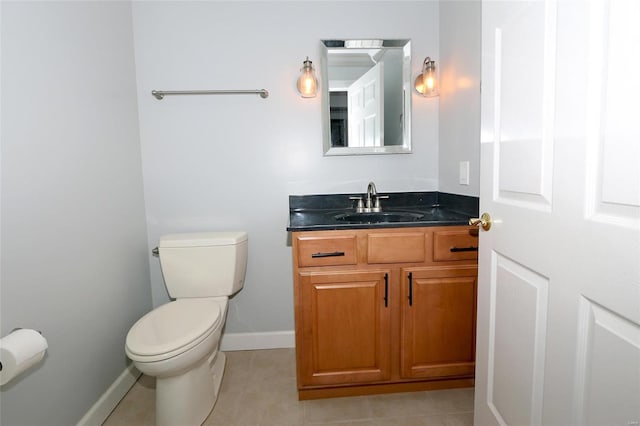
<point>99,412</point>
<point>252,341</point>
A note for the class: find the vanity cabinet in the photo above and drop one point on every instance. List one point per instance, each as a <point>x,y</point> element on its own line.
<point>384,309</point>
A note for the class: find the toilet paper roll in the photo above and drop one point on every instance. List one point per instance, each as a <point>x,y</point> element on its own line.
<point>20,350</point>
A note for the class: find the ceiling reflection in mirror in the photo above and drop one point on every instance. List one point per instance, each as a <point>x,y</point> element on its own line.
<point>366,88</point>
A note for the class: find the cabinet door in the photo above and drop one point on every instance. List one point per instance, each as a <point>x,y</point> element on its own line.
<point>345,327</point>
<point>438,321</point>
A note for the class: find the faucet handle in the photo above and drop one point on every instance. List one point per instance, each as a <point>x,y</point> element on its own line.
<point>377,207</point>
<point>360,206</point>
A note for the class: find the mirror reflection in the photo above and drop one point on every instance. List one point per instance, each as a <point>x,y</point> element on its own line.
<point>366,96</point>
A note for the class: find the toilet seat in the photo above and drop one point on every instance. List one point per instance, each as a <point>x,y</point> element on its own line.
<point>173,328</point>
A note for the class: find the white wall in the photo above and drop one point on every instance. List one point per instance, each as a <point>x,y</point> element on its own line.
<point>230,162</point>
<point>459,125</point>
<point>74,253</point>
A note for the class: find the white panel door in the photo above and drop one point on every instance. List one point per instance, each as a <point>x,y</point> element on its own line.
<point>558,338</point>
<point>365,109</point>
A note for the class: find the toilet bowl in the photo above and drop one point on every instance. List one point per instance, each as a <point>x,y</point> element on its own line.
<point>178,342</point>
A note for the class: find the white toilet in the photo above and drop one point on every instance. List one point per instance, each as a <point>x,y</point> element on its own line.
<point>178,342</point>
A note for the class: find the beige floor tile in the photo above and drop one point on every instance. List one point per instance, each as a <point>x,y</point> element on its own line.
<point>403,404</point>
<point>337,409</point>
<point>454,400</point>
<point>237,370</point>
<point>458,419</point>
<point>138,406</point>
<point>399,421</point>
<point>270,403</point>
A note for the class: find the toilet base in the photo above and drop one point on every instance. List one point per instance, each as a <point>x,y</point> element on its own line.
<point>187,399</point>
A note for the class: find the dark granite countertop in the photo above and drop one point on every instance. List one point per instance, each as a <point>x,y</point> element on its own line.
<point>411,209</point>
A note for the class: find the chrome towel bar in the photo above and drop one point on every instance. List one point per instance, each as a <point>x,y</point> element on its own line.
<point>160,94</point>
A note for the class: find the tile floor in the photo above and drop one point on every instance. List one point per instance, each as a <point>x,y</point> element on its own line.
<point>259,388</point>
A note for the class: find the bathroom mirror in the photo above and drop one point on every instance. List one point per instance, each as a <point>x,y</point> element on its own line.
<point>366,96</point>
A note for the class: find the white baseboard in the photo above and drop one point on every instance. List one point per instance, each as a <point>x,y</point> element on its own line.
<point>99,412</point>
<point>252,341</point>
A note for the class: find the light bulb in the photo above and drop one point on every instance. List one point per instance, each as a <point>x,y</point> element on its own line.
<point>429,82</point>
<point>426,83</point>
<point>307,83</point>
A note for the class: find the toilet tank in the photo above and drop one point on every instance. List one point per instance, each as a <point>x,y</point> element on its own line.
<point>203,264</point>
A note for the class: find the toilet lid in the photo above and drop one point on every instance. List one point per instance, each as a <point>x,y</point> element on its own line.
<point>173,326</point>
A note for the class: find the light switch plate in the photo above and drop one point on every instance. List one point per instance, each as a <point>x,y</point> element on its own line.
<point>464,173</point>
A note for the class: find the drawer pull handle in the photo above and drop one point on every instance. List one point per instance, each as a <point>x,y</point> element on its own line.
<point>386,290</point>
<point>330,254</point>
<point>459,249</point>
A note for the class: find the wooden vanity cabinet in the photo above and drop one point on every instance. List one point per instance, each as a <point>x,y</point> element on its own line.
<point>384,310</point>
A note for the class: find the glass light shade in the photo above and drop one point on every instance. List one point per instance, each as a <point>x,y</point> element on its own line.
<point>307,83</point>
<point>427,83</point>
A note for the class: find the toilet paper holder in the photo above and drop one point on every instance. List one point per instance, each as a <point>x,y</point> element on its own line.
<point>15,329</point>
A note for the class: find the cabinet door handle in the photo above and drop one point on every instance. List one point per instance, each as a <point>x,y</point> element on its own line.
<point>410,288</point>
<point>386,290</point>
<point>330,254</point>
<point>459,249</point>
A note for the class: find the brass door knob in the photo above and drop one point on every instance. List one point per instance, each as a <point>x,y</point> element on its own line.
<point>484,221</point>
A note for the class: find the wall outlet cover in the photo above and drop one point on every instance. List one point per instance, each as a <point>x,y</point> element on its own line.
<point>464,173</point>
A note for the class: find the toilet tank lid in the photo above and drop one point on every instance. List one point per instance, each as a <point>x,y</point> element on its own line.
<point>202,239</point>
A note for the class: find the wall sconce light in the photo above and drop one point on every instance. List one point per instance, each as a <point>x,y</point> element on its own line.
<point>427,83</point>
<point>307,83</point>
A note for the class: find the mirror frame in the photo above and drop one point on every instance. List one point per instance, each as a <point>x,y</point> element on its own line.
<point>405,148</point>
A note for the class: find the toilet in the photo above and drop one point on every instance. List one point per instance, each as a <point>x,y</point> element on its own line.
<point>177,343</point>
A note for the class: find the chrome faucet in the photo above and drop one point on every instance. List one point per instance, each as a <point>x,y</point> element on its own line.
<point>371,198</point>
<point>371,202</point>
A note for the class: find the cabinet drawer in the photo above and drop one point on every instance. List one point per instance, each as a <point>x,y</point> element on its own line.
<point>455,245</point>
<point>327,251</point>
<point>396,247</point>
